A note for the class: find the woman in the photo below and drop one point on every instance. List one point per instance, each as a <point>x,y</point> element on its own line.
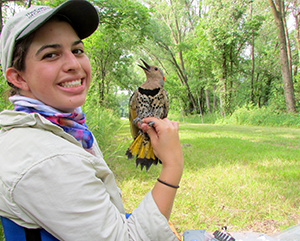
<point>53,176</point>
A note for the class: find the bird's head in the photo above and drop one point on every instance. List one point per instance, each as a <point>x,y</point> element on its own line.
<point>153,73</point>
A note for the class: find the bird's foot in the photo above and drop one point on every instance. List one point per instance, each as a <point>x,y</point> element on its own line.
<point>137,120</point>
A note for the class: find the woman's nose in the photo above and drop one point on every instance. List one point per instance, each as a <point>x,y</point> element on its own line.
<point>71,62</point>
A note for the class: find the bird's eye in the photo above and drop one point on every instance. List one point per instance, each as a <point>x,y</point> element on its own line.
<point>155,68</point>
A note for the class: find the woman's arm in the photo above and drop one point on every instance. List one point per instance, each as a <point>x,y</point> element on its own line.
<point>166,145</point>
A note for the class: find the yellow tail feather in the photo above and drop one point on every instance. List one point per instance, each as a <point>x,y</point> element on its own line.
<point>143,150</point>
<point>135,145</point>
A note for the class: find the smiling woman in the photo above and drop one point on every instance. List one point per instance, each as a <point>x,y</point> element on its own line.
<point>56,56</point>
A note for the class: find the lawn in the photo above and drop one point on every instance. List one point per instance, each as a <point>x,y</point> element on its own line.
<point>242,177</point>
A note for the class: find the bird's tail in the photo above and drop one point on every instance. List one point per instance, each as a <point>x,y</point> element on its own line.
<point>141,148</point>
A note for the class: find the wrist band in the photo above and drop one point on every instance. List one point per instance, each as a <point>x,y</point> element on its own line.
<point>167,184</point>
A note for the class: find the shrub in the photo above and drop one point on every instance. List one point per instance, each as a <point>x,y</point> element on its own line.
<point>252,115</point>
<point>103,123</point>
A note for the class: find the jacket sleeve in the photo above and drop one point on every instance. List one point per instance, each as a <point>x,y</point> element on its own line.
<point>74,199</point>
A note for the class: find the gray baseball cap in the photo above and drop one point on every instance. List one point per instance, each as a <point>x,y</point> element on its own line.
<point>81,14</point>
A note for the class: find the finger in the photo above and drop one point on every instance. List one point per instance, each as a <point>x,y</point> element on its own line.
<point>147,123</point>
<point>151,132</point>
<point>144,126</point>
<point>175,124</point>
<point>149,119</point>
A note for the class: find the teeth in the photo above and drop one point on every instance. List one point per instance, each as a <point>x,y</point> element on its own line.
<point>70,84</point>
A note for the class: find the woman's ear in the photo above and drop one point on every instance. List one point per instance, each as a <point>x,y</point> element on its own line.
<point>15,77</point>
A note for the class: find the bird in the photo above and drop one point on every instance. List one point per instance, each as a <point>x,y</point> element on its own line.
<point>150,99</point>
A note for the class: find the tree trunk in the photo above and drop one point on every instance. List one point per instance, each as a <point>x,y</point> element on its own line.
<point>252,70</point>
<point>215,98</point>
<point>267,90</point>
<point>29,4</point>
<point>287,37</point>
<point>222,112</point>
<point>200,109</point>
<point>230,89</point>
<point>285,69</point>
<point>297,35</point>
<point>296,14</point>
<point>1,26</point>
<point>207,101</point>
<point>253,62</point>
<point>223,91</point>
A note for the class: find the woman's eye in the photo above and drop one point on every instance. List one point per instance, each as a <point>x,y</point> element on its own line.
<point>78,51</point>
<point>49,56</point>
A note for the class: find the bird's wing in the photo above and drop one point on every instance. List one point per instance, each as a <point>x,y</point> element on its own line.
<point>166,103</point>
<point>132,113</point>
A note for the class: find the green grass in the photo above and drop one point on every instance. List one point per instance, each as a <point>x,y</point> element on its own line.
<point>246,178</point>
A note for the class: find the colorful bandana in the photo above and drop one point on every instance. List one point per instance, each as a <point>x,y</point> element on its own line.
<point>72,123</point>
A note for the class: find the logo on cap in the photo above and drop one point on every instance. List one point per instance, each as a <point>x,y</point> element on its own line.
<point>36,11</point>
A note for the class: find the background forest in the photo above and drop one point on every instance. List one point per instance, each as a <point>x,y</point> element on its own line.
<point>218,56</point>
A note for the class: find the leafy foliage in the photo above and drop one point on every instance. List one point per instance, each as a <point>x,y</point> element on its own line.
<point>252,115</point>
<point>103,123</point>
<point>204,47</point>
<point>122,26</point>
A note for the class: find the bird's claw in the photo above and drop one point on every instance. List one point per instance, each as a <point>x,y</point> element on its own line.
<point>137,120</point>
<point>151,123</point>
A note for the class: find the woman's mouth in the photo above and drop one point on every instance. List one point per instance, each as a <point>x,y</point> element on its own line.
<point>70,84</point>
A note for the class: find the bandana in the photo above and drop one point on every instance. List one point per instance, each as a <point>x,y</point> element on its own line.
<point>72,123</point>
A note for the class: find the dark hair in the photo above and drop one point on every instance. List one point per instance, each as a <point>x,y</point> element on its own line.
<point>20,51</point>
<point>18,60</point>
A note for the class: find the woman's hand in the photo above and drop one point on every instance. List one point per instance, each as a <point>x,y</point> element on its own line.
<point>165,140</point>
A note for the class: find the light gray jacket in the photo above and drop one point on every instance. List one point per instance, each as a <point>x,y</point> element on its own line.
<point>47,180</point>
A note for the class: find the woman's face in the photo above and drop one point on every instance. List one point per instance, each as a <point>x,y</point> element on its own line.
<point>57,71</point>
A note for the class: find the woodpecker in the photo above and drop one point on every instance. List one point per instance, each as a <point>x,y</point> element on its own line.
<point>149,100</point>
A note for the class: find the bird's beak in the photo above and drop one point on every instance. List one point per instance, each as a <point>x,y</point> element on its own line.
<point>147,66</point>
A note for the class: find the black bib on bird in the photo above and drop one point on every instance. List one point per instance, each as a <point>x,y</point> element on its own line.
<point>149,92</point>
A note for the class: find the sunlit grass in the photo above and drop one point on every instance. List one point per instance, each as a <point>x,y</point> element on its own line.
<point>246,178</point>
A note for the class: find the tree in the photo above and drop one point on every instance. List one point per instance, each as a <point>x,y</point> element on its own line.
<point>228,30</point>
<point>2,2</point>
<point>122,28</point>
<point>296,14</point>
<point>277,7</point>
<point>177,18</point>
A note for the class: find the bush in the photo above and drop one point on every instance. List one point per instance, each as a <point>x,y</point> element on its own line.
<point>252,115</point>
<point>103,123</point>
<point>195,118</point>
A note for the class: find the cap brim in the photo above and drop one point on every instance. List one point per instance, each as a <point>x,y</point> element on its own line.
<point>82,16</point>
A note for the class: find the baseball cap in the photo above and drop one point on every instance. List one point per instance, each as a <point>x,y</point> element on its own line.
<point>81,14</point>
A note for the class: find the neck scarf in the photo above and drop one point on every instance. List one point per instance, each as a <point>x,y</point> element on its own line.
<point>72,123</point>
